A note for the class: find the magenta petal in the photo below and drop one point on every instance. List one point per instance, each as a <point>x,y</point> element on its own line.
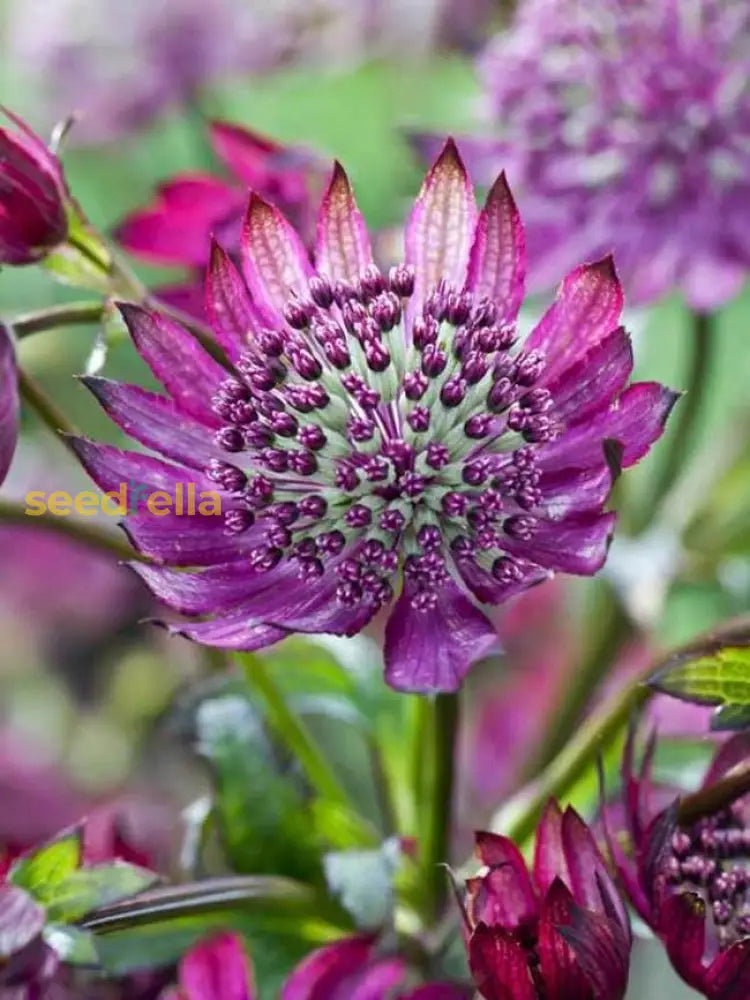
<point>189,375</point>
<point>432,650</point>
<point>217,970</point>
<point>318,975</point>
<point>588,306</point>
<point>112,468</point>
<point>155,421</point>
<point>8,402</point>
<point>550,861</point>
<point>488,590</point>
<point>232,631</point>
<point>440,991</point>
<point>497,264</point>
<point>636,420</point>
<point>594,379</point>
<point>567,491</point>
<point>601,951</point>
<point>440,229</point>
<point>577,544</point>
<point>682,926</point>
<point>233,319</point>
<point>21,920</point>
<point>498,966</point>
<point>176,230</point>
<point>213,590</point>
<point>342,248</point>
<point>504,897</point>
<point>563,977</point>
<point>590,881</point>
<point>379,981</point>
<point>736,750</point>
<point>729,975</point>
<point>274,261</point>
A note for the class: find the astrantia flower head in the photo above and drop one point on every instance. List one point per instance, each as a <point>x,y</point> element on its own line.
<point>625,125</point>
<point>33,219</point>
<point>690,882</point>
<point>381,441</point>
<point>559,933</point>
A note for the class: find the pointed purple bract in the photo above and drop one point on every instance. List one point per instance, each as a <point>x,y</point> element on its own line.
<point>383,441</point>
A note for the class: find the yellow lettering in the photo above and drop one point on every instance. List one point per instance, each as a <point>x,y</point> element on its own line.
<point>159,503</point>
<point>115,503</point>
<point>59,503</point>
<point>36,504</point>
<point>86,503</point>
<point>210,505</point>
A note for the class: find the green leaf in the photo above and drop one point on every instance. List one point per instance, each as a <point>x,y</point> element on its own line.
<point>731,717</point>
<point>363,882</point>
<point>90,888</point>
<point>42,871</point>
<point>73,945</point>
<point>261,809</point>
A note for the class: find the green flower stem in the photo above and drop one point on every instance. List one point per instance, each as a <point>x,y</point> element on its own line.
<point>438,762</point>
<point>609,627</point>
<point>90,534</point>
<point>519,817</point>
<point>47,410</point>
<point>297,737</point>
<point>689,409</point>
<point>69,314</point>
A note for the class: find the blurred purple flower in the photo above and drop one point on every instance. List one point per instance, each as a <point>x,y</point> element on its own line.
<point>9,402</point>
<point>33,194</point>
<point>190,209</point>
<point>559,933</point>
<point>691,884</point>
<point>375,425</point>
<point>624,126</point>
<point>356,969</point>
<point>216,969</point>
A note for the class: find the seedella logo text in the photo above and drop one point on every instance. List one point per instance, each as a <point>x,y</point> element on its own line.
<point>131,498</point>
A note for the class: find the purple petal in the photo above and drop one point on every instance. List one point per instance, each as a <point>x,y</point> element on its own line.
<point>187,540</point>
<point>577,544</point>
<point>590,882</point>
<point>560,970</point>
<point>440,991</point>
<point>217,970</point>
<point>440,229</point>
<point>189,375</point>
<point>318,975</point>
<point>594,379</point>
<point>432,650</point>
<point>498,966</point>
<point>636,420</point>
<point>729,975</point>
<point>568,491</point>
<point>379,980</point>
<point>550,861</point>
<point>601,951</point>
<point>155,421</point>
<point>228,304</point>
<point>261,163</point>
<point>112,468</point>
<point>497,264</point>
<point>505,896</point>
<point>587,308</point>
<point>682,925</point>
<point>21,920</point>
<point>342,249</point>
<point>230,632</point>
<point>213,590</point>
<point>8,402</point>
<point>274,261</point>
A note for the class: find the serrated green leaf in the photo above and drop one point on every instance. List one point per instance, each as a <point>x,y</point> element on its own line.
<point>90,888</point>
<point>42,871</point>
<point>721,677</point>
<point>73,945</point>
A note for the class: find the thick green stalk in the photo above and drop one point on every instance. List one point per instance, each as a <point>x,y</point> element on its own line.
<point>92,535</point>
<point>438,756</point>
<point>69,314</point>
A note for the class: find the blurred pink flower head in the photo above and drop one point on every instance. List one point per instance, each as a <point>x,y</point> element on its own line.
<point>624,126</point>
<point>380,432</point>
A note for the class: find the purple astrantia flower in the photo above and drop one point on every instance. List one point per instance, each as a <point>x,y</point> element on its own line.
<point>559,933</point>
<point>690,883</point>
<point>190,209</point>
<point>354,969</point>
<point>380,439</point>
<point>624,126</point>
<point>9,402</point>
<point>33,194</point>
